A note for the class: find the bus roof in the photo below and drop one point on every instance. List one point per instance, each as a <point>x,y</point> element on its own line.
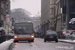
<point>23,22</point>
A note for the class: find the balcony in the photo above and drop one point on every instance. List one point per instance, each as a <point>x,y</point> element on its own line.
<point>3,11</point>
<point>52,3</point>
<point>52,6</point>
<point>57,1</point>
<point>3,1</point>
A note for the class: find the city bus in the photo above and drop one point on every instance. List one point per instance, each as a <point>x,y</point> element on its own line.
<point>23,32</point>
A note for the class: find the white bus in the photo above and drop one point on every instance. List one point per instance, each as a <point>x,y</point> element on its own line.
<point>23,31</point>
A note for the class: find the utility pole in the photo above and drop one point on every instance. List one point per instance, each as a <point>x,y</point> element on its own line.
<point>12,23</point>
<point>0,9</point>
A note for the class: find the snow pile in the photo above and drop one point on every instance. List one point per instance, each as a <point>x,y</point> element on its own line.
<point>5,45</point>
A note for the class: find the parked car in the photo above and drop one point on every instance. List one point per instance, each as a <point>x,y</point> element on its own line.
<point>69,33</point>
<point>66,33</point>
<point>72,35</point>
<point>51,36</point>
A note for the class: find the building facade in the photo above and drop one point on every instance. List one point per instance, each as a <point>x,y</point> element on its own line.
<point>8,7</point>
<point>45,15</point>
<point>4,9</point>
<point>50,15</point>
<point>57,15</point>
<point>36,21</point>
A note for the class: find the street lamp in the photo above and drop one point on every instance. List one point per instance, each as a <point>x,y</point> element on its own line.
<point>12,21</point>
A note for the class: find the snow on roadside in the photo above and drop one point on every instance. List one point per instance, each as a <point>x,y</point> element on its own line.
<point>5,45</point>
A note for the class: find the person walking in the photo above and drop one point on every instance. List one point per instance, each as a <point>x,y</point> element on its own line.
<point>3,35</point>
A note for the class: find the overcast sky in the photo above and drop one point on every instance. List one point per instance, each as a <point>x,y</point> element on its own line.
<point>33,6</point>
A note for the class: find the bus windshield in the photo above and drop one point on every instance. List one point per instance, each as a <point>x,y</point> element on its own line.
<point>23,28</point>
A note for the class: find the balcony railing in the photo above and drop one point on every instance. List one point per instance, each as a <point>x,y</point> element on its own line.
<point>3,11</point>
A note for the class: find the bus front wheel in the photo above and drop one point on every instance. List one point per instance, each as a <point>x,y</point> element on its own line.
<point>15,41</point>
<point>32,40</point>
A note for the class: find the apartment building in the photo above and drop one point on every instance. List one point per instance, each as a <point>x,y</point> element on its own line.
<point>45,15</point>
<point>50,15</point>
<point>57,16</point>
<point>4,9</point>
<point>8,7</point>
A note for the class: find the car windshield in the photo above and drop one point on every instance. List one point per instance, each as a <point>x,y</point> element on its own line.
<point>52,32</point>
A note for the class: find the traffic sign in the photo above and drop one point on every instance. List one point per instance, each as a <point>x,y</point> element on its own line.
<point>39,30</point>
<point>50,23</point>
<point>7,18</point>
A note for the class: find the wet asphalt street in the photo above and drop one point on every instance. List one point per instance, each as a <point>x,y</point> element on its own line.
<point>39,44</point>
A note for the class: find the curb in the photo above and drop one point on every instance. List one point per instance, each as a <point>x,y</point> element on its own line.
<point>66,41</point>
<point>10,46</point>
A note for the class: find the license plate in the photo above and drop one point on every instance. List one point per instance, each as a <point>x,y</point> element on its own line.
<point>50,37</point>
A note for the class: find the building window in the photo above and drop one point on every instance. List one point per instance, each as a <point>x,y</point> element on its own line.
<point>7,7</point>
<point>2,5</point>
<point>52,1</point>
<point>51,11</point>
<point>2,17</point>
<point>56,0</point>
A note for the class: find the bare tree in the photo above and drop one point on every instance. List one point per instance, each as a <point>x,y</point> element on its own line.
<point>20,15</point>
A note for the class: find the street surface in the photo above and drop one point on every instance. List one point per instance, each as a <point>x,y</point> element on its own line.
<point>39,44</point>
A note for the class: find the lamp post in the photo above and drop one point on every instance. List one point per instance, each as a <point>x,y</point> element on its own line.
<point>8,21</point>
<point>12,23</point>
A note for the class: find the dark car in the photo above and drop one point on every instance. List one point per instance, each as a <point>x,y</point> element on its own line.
<point>51,36</point>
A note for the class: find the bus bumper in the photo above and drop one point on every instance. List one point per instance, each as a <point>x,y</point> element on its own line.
<point>23,39</point>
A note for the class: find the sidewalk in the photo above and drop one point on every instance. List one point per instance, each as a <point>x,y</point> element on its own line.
<point>66,41</point>
<point>5,45</point>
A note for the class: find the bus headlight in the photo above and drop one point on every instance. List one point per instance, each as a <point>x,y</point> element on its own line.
<point>15,36</point>
<point>32,36</point>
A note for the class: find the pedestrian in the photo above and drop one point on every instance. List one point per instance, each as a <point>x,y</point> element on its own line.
<point>3,32</point>
<point>3,35</point>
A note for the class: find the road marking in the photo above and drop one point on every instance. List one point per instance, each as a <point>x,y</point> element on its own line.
<point>65,47</point>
